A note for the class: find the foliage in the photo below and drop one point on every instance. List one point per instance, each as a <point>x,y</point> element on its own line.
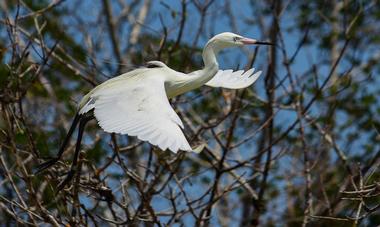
<point>298,148</point>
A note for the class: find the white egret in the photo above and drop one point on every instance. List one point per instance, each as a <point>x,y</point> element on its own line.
<point>136,103</point>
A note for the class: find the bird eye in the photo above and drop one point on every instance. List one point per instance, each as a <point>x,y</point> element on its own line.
<point>236,39</point>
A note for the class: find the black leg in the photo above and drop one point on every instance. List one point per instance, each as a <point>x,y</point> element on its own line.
<point>73,168</point>
<point>54,160</point>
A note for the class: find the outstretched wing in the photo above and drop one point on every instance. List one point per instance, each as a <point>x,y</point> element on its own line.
<point>234,80</point>
<point>139,107</point>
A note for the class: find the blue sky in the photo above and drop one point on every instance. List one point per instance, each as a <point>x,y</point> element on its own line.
<point>230,58</point>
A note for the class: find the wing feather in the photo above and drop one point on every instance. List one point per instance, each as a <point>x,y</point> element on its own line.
<point>234,80</point>
<point>139,108</point>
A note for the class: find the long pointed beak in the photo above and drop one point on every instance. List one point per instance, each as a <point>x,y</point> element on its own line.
<point>248,41</point>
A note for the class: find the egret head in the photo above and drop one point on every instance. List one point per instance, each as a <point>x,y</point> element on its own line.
<point>229,39</point>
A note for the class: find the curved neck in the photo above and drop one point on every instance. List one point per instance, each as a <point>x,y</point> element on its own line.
<point>209,55</point>
<point>211,65</point>
<point>200,77</point>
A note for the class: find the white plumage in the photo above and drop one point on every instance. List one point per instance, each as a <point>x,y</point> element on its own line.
<point>234,80</point>
<point>136,103</point>
<point>140,108</point>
